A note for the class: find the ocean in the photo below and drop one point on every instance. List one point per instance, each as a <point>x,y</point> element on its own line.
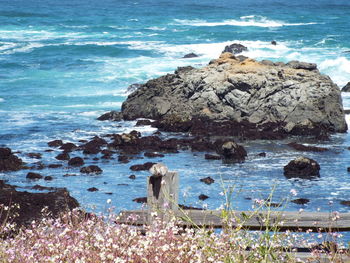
<point>64,63</point>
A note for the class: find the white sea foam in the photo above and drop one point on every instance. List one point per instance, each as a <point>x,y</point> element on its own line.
<point>255,21</point>
<point>156,28</point>
<point>2,100</point>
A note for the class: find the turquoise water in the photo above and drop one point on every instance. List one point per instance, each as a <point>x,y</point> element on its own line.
<point>63,63</point>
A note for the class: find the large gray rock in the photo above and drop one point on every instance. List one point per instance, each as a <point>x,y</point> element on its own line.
<point>295,95</point>
<point>346,88</point>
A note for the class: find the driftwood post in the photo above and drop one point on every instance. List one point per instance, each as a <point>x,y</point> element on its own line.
<point>162,191</point>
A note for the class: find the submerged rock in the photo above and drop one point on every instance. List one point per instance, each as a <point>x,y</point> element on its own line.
<point>76,161</point>
<point>9,161</point>
<point>34,176</point>
<point>304,148</point>
<point>241,98</point>
<point>190,55</point>
<point>203,197</point>
<point>301,201</point>
<point>207,180</point>
<point>302,167</point>
<point>142,167</point>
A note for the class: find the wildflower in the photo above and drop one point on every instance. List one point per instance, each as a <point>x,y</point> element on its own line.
<point>293,192</point>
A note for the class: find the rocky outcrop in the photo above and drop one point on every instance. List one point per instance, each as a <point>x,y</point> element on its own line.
<point>248,95</point>
<point>346,88</point>
<point>9,161</point>
<point>111,116</point>
<point>235,48</point>
<point>32,204</point>
<point>302,167</point>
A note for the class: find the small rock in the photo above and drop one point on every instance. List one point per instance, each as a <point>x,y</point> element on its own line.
<point>68,147</point>
<point>34,155</point>
<point>203,197</point>
<point>91,169</point>
<point>108,193</point>
<point>301,201</point>
<point>111,116</point>
<point>76,161</point>
<point>68,175</point>
<point>232,151</point>
<point>212,157</point>
<point>63,156</point>
<point>143,122</point>
<point>304,148</point>
<point>235,48</point>
<point>263,154</point>
<point>54,166</point>
<point>132,177</point>
<point>273,42</point>
<point>42,188</point>
<point>142,167</point>
<point>48,178</point>
<point>140,200</point>
<point>55,143</point>
<point>34,176</point>
<point>348,169</point>
<point>92,189</point>
<point>302,167</point>
<point>153,155</point>
<point>346,203</point>
<point>123,159</point>
<point>207,180</point>
<point>190,55</point>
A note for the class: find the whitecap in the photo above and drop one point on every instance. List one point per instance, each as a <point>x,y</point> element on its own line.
<point>2,100</point>
<point>156,28</point>
<point>252,20</point>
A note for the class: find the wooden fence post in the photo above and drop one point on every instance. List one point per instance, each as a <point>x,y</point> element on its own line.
<point>162,191</point>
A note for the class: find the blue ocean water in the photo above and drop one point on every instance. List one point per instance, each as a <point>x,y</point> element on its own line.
<point>63,63</point>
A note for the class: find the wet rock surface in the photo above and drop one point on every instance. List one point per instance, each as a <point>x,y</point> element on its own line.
<point>190,55</point>
<point>9,161</point>
<point>246,98</point>
<point>142,167</point>
<point>31,204</point>
<point>34,176</point>
<point>91,169</point>
<point>346,88</point>
<point>207,180</point>
<point>111,116</point>
<point>301,201</point>
<point>302,167</point>
<point>306,148</point>
<point>76,161</point>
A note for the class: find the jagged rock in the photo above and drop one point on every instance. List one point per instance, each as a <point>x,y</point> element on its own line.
<point>235,48</point>
<point>304,148</point>
<point>241,98</point>
<point>32,204</point>
<point>207,180</point>
<point>302,167</point>
<point>91,169</point>
<point>63,156</point>
<point>76,161</point>
<point>190,55</point>
<point>9,161</point>
<point>140,200</point>
<point>111,116</point>
<point>346,88</point>
<point>232,151</point>
<point>34,176</point>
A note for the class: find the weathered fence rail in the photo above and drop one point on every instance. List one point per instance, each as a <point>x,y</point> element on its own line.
<point>162,198</point>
